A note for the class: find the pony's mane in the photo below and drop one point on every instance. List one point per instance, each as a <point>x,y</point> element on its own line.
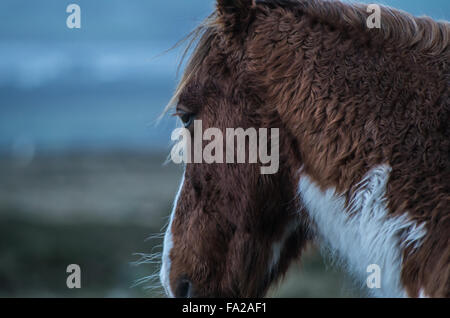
<point>200,38</point>
<point>408,31</point>
<point>400,28</point>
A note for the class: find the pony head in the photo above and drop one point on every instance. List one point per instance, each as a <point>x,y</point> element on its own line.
<point>233,230</point>
<point>344,99</point>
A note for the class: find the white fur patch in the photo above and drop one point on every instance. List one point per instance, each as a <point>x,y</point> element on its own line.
<point>422,294</point>
<point>168,244</point>
<point>366,234</point>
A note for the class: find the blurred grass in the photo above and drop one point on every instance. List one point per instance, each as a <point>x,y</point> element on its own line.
<point>34,257</point>
<point>38,241</point>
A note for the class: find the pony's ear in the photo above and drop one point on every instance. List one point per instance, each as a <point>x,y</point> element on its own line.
<point>235,14</point>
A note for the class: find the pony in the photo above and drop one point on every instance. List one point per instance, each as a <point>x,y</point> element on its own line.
<point>364,137</point>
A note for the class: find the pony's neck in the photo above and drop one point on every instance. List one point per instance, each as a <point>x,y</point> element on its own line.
<point>335,90</point>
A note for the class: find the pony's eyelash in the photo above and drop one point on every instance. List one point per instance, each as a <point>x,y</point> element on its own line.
<point>186,117</point>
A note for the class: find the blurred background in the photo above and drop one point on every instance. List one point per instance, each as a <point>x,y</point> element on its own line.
<point>82,179</point>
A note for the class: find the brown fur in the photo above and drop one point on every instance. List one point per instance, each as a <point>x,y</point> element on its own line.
<point>346,98</point>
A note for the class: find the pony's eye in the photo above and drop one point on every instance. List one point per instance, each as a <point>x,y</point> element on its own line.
<point>186,115</point>
<point>187,119</point>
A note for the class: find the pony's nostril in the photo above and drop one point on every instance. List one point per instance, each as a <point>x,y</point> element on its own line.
<point>184,289</point>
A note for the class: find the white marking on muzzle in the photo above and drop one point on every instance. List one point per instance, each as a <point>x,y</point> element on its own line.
<point>164,274</point>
